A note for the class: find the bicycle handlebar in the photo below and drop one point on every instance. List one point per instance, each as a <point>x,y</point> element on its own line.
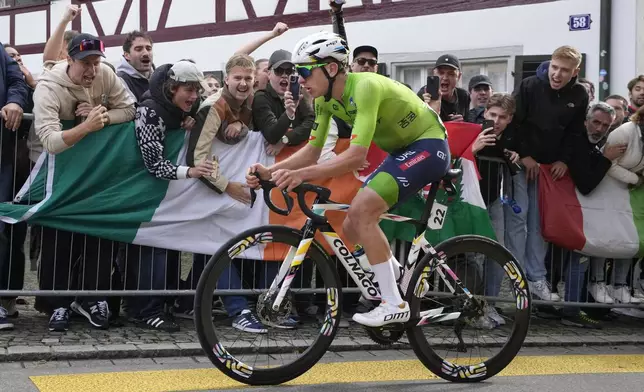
<point>301,191</point>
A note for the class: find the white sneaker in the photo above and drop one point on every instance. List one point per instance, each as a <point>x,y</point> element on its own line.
<point>639,294</point>
<point>490,311</point>
<point>384,314</point>
<point>540,289</point>
<point>600,294</point>
<point>623,294</point>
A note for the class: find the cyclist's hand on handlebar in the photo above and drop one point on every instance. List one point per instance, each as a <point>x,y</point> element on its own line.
<point>260,169</point>
<point>286,179</point>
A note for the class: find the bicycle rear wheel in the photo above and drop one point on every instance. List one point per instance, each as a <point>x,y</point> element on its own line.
<point>423,339</point>
<point>233,356</point>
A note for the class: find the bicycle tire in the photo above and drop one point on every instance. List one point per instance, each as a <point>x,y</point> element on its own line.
<point>492,366</point>
<point>208,339</point>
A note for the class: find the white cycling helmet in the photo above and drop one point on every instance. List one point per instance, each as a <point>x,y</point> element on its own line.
<point>316,47</point>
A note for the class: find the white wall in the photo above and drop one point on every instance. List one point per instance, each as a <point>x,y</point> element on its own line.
<point>537,29</point>
<point>623,62</point>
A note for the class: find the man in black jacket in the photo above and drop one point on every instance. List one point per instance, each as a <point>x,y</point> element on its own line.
<point>550,115</point>
<point>588,166</point>
<point>454,101</point>
<point>282,118</point>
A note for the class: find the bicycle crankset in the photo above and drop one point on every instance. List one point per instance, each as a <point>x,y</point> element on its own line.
<point>386,335</point>
<point>265,311</point>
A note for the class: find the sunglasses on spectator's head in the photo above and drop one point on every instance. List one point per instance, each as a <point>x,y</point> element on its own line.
<point>288,71</point>
<point>91,44</point>
<point>306,70</point>
<point>362,61</point>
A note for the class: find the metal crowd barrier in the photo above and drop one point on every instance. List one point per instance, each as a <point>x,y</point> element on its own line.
<point>97,267</point>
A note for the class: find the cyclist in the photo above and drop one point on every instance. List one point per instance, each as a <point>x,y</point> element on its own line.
<point>381,110</point>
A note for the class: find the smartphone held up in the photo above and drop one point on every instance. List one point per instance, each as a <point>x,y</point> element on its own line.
<point>433,86</point>
<point>294,87</point>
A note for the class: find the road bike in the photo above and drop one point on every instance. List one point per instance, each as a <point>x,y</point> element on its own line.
<point>276,302</point>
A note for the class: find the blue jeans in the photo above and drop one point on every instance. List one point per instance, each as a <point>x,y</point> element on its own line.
<point>493,271</point>
<point>574,273</point>
<point>523,230</point>
<point>231,279</point>
<point>148,268</point>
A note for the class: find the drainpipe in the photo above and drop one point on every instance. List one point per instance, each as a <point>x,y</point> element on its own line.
<point>604,49</point>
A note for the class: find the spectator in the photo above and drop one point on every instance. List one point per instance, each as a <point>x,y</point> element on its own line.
<point>56,47</point>
<point>588,167</point>
<point>174,91</point>
<point>628,169</point>
<point>13,99</point>
<point>491,143</point>
<point>480,87</point>
<point>365,59</point>
<point>261,74</point>
<point>590,88</point>
<point>12,257</point>
<point>636,94</point>
<point>546,131</point>
<point>67,93</point>
<point>213,86</point>
<point>454,102</point>
<point>136,65</point>
<point>14,54</point>
<point>282,118</point>
<point>620,104</point>
<point>228,119</point>
<point>261,65</point>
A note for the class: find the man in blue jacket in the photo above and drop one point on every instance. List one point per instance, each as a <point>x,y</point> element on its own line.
<point>13,98</point>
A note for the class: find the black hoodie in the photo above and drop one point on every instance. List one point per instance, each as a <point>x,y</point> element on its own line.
<point>547,122</point>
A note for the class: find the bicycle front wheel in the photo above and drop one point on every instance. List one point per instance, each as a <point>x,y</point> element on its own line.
<point>267,347</point>
<point>459,342</point>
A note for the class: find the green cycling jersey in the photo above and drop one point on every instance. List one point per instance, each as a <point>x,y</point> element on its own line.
<point>380,110</point>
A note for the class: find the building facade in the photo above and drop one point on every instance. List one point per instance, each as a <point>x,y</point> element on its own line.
<point>503,39</point>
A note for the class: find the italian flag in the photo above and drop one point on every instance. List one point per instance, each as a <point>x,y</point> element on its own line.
<point>608,222</point>
<point>100,187</point>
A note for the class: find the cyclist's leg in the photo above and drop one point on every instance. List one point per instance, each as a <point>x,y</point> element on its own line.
<point>400,176</point>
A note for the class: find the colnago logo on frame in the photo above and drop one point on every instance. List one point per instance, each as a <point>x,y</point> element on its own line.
<point>354,268</point>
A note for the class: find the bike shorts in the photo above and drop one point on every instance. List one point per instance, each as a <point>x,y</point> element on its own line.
<point>406,171</point>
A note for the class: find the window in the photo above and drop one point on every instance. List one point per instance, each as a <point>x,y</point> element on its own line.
<point>4,3</point>
<point>497,70</point>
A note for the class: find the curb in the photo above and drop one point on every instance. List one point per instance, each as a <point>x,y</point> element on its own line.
<point>157,350</point>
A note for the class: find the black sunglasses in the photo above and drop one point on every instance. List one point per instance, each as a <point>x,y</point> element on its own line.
<point>362,61</point>
<point>284,71</point>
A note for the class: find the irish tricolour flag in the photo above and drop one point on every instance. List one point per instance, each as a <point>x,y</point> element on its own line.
<point>100,187</point>
<point>609,222</point>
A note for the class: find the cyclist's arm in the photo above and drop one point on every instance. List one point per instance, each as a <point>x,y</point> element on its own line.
<point>368,94</point>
